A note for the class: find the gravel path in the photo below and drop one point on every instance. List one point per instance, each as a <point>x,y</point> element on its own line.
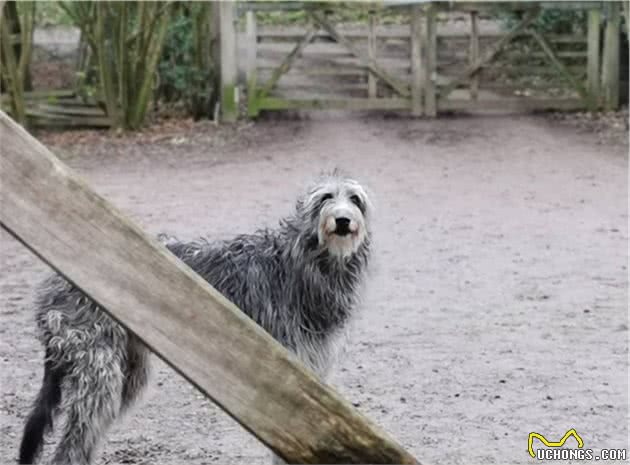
<point>498,298</point>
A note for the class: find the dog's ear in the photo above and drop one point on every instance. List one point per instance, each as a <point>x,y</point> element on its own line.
<point>369,199</point>
<point>366,196</point>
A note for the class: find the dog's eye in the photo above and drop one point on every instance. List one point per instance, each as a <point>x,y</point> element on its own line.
<point>356,200</point>
<point>326,197</point>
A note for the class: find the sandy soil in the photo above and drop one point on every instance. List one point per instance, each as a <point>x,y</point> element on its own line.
<point>497,303</point>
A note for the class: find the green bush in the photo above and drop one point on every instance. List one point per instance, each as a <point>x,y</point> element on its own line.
<point>344,12</point>
<point>183,75</point>
<point>553,21</point>
<point>561,21</point>
<point>125,41</point>
<point>50,14</point>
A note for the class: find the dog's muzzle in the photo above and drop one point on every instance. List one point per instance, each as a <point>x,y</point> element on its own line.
<point>342,226</point>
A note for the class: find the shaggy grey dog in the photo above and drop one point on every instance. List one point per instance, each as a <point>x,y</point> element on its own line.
<point>300,282</point>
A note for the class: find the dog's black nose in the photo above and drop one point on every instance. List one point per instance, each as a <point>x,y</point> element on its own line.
<point>342,226</point>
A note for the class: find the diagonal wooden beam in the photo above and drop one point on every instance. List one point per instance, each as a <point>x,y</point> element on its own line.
<point>562,69</point>
<point>491,52</point>
<point>194,328</point>
<point>396,84</point>
<point>286,64</point>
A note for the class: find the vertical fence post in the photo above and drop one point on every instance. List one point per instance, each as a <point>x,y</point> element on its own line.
<point>417,77</point>
<point>474,53</point>
<point>610,60</point>
<point>214,21</point>
<point>429,62</point>
<point>229,92</point>
<point>592,64</point>
<point>371,42</point>
<point>252,44</point>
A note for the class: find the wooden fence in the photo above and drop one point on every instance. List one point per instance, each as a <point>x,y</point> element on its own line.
<point>175,312</point>
<point>418,65</point>
<point>421,66</point>
<point>60,108</point>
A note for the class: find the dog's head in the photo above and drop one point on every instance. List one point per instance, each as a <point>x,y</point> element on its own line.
<point>338,210</point>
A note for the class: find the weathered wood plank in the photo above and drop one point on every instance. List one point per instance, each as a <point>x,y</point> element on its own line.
<point>568,5</point>
<point>593,74</point>
<point>506,105</point>
<point>474,53</point>
<point>250,71</point>
<point>492,52</point>
<point>286,64</point>
<point>396,53</point>
<point>174,311</point>
<point>274,6</point>
<point>566,38</point>
<point>317,59</point>
<point>401,33</point>
<point>374,68</point>
<point>417,76</point>
<point>45,95</point>
<point>276,103</point>
<point>252,43</point>
<point>560,67</point>
<point>610,58</point>
<point>301,89</point>
<point>214,44</point>
<point>535,88</point>
<point>229,89</point>
<point>371,41</point>
<point>467,6</point>
<point>277,34</point>
<point>430,61</point>
<point>42,118</point>
<point>70,110</point>
<point>562,54</point>
<point>329,70</point>
<point>525,69</point>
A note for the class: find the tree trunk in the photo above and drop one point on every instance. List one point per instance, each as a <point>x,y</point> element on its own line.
<point>138,105</point>
<point>10,75</point>
<point>16,34</point>
<point>126,40</point>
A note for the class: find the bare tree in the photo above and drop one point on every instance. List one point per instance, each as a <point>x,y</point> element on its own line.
<point>126,40</point>
<point>16,36</point>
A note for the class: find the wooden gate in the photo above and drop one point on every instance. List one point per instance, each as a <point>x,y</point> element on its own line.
<point>422,64</point>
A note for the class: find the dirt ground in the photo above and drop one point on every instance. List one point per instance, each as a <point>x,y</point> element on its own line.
<point>497,303</point>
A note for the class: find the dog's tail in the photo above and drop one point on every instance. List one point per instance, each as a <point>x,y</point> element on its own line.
<point>40,419</point>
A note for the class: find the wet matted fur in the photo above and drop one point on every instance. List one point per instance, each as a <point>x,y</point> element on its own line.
<point>300,282</point>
